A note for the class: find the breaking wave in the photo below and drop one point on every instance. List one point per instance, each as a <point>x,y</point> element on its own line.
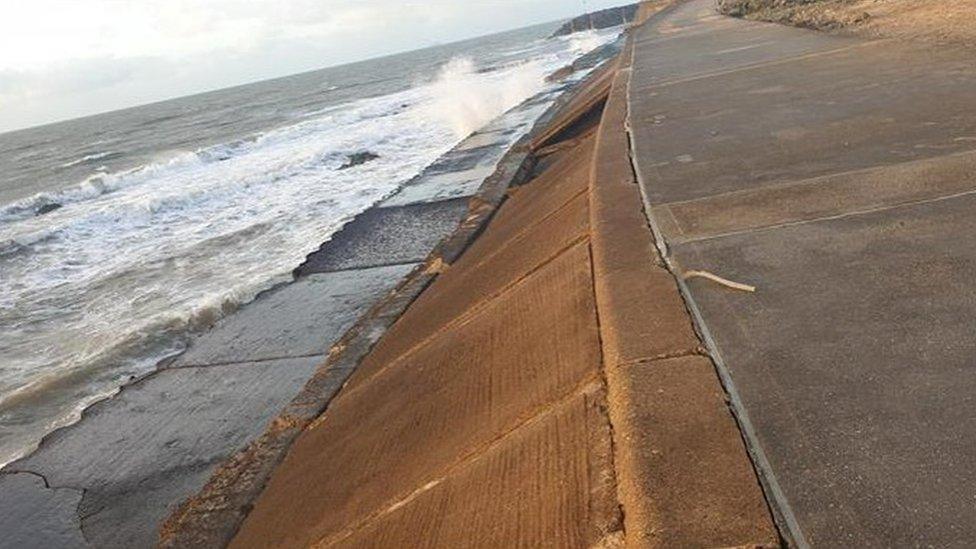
<point>103,286</point>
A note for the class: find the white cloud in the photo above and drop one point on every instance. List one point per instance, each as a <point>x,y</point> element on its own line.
<point>63,58</point>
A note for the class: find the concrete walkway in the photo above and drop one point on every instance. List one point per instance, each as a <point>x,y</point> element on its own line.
<point>839,177</point>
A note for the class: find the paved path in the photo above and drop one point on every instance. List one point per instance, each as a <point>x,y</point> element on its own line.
<point>839,177</point>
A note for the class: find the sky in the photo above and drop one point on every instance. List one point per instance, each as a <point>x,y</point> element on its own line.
<point>62,59</point>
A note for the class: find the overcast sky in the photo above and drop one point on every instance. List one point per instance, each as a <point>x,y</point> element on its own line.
<point>67,58</point>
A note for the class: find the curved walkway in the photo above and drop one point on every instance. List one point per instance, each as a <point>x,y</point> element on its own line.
<point>838,176</point>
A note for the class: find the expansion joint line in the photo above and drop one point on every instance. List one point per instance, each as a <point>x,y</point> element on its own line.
<point>606,384</point>
<point>587,385</point>
<point>788,527</point>
<point>467,315</point>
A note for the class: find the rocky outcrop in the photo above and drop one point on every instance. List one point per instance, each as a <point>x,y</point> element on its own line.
<point>358,158</point>
<point>610,17</point>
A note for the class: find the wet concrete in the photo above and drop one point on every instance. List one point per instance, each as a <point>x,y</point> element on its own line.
<point>133,458</point>
<point>111,479</point>
<point>386,236</point>
<point>835,174</point>
<point>50,511</point>
<point>493,373</point>
<point>441,186</point>
<point>138,453</point>
<point>298,319</point>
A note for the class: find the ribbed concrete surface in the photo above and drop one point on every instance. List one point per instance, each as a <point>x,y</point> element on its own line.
<point>495,375</point>
<point>546,385</point>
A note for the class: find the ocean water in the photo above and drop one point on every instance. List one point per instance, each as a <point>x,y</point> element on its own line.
<point>123,233</point>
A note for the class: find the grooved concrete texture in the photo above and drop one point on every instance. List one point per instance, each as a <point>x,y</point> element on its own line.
<point>836,175</point>
<point>510,247</point>
<point>570,442</point>
<point>498,360</point>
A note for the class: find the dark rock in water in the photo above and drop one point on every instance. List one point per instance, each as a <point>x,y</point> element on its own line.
<point>48,208</point>
<point>358,158</point>
<point>602,19</point>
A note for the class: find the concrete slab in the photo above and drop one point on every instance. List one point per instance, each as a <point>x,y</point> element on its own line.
<point>837,177</point>
<point>529,204</point>
<point>35,516</point>
<point>678,443</point>
<point>485,138</point>
<point>694,41</point>
<point>470,384</point>
<point>470,283</point>
<point>442,186</point>
<point>466,158</point>
<point>555,474</point>
<point>819,198</point>
<point>642,315</point>
<point>139,454</point>
<point>386,236</point>
<point>860,107</point>
<point>854,360</point>
<point>303,318</point>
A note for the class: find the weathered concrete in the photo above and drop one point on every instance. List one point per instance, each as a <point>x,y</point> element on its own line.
<point>468,386</point>
<point>684,459</point>
<point>684,477</point>
<point>836,175</point>
<point>480,418</point>
<point>213,516</point>
<point>303,318</point>
<point>477,379</point>
<point>50,512</point>
<point>386,236</point>
<point>442,186</point>
<point>136,455</point>
<point>540,471</point>
<point>244,390</point>
<point>521,244</point>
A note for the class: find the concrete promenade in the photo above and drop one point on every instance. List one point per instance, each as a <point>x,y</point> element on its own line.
<point>838,176</point>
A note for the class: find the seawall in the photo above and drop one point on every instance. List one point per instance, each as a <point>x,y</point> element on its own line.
<point>111,479</point>
<point>547,387</point>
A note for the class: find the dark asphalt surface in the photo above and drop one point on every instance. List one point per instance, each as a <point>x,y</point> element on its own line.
<point>837,175</point>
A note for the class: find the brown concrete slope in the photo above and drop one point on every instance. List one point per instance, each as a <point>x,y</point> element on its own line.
<point>480,386</point>
<point>551,361</point>
<point>837,176</point>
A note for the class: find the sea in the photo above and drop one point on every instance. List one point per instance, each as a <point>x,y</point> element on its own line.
<point>124,233</point>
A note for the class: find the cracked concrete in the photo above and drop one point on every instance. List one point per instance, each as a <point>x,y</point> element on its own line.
<point>51,513</point>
